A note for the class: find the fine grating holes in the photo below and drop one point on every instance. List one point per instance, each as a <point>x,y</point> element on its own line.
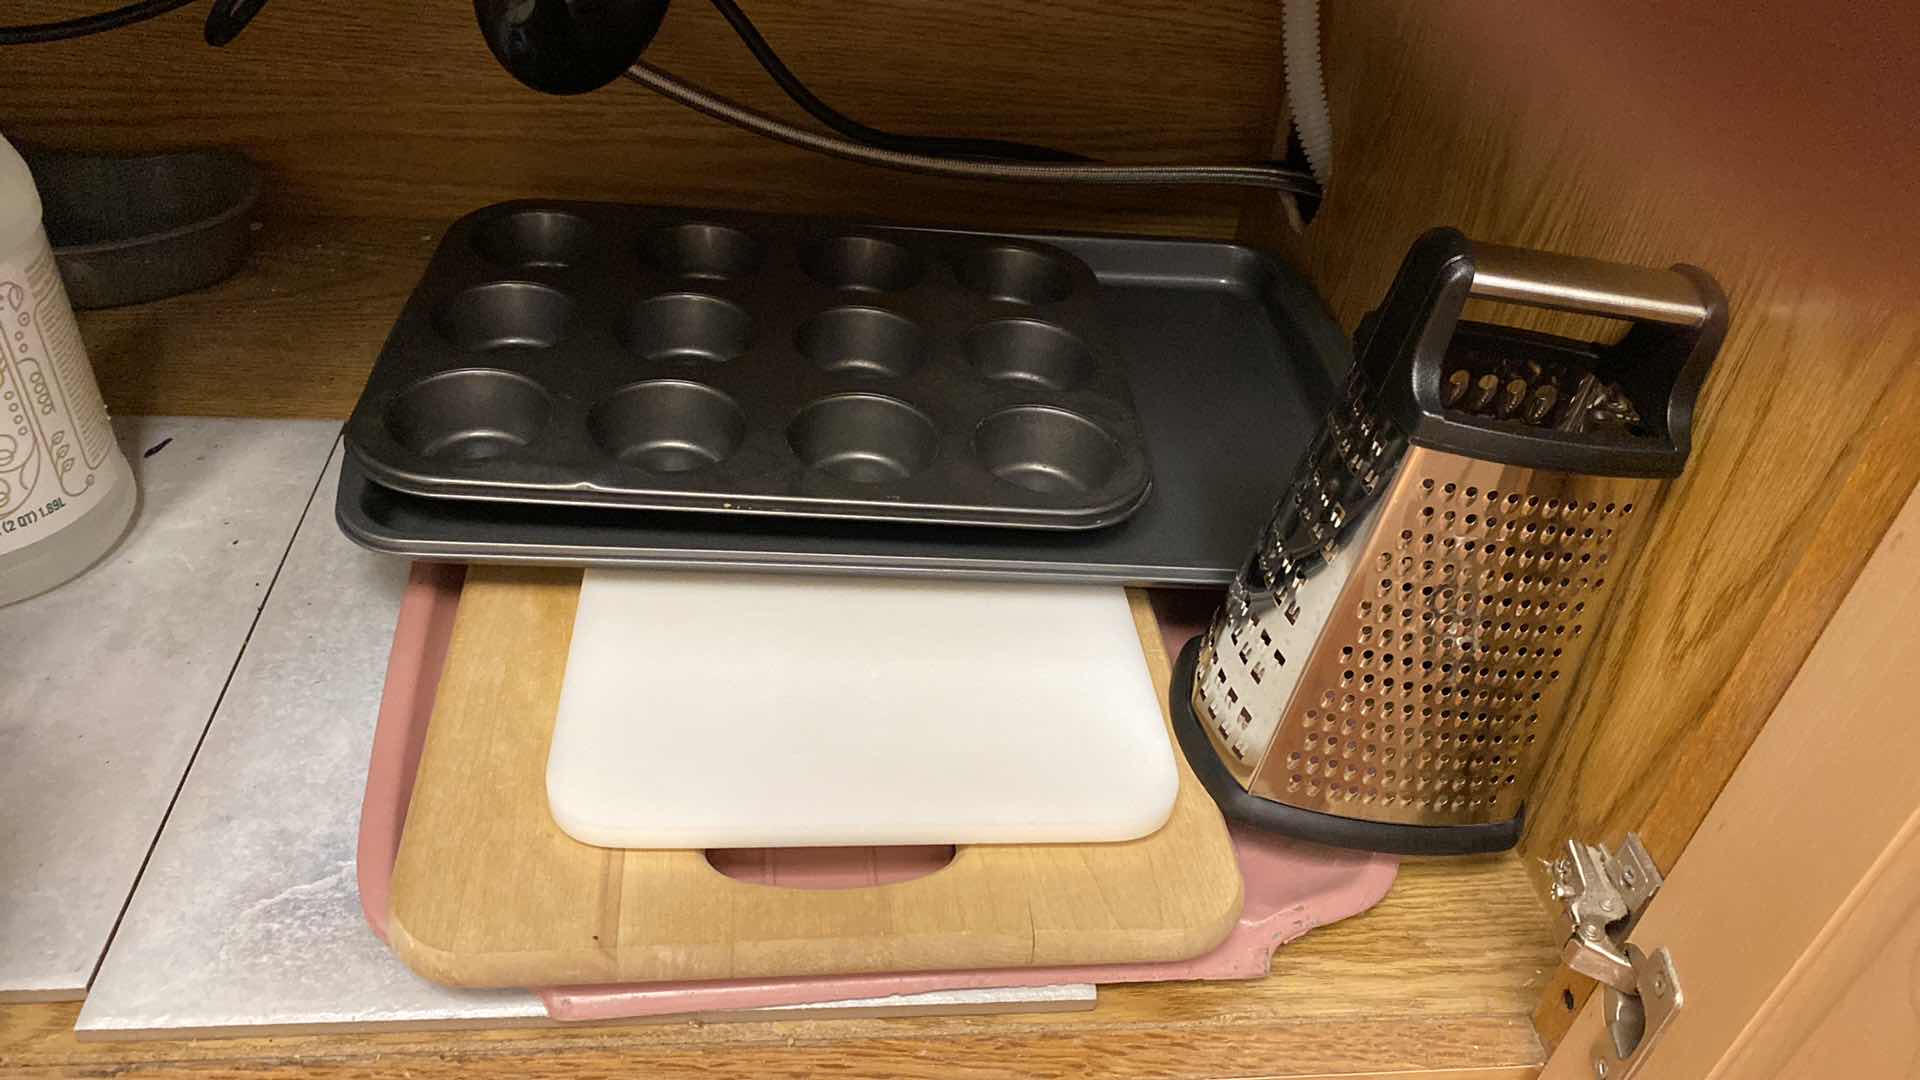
<point>1478,666</point>
<point>1515,587</point>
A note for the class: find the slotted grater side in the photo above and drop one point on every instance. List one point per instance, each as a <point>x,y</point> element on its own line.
<point>1416,672</point>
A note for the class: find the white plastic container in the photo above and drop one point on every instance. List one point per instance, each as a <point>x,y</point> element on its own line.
<point>66,492</point>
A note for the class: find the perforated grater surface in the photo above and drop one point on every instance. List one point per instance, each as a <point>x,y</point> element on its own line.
<point>1394,659</point>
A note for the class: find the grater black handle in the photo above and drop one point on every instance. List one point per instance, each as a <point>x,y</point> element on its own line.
<point>1678,316</point>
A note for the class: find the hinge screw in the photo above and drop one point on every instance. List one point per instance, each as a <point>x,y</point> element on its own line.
<point>1590,932</point>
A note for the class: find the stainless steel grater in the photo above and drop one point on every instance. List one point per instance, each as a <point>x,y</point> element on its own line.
<point>1393,660</point>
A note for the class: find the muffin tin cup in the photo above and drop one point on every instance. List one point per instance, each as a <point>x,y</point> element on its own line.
<point>1047,450</point>
<point>864,438</point>
<point>469,414</point>
<point>505,314</point>
<point>668,425</point>
<point>534,238</point>
<point>703,250</point>
<point>600,355</point>
<point>861,341</point>
<point>687,328</point>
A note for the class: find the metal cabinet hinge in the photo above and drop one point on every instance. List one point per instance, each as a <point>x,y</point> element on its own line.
<point>1602,895</point>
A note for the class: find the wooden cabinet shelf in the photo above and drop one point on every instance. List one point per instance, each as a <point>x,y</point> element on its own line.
<point>292,335</point>
<point>1499,122</point>
<point>1440,978</point>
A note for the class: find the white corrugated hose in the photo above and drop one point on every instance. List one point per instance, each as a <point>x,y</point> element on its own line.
<point>1307,89</point>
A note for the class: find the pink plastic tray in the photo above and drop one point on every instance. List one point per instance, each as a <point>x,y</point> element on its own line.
<point>1291,887</point>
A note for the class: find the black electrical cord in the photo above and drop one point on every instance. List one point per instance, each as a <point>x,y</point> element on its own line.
<point>963,158</point>
<point>931,145</point>
<point>224,22</point>
<point>85,25</point>
<point>1273,177</point>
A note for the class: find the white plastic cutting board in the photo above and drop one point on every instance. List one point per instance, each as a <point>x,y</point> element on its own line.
<point>747,710</point>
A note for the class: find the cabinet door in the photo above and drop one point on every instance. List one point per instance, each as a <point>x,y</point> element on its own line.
<point>1793,916</point>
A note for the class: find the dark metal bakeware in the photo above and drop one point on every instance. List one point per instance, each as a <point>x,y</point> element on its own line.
<point>127,229</point>
<point>1233,361</point>
<point>592,354</point>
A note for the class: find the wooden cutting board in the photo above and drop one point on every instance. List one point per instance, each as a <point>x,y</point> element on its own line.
<point>488,892</point>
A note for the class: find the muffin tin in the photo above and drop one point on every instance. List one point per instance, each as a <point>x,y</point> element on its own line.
<point>616,356</point>
<point>1233,362</point>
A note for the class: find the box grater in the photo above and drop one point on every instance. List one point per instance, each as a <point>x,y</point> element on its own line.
<point>1393,660</point>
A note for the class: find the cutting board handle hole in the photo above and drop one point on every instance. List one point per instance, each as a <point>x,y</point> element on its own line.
<point>829,867</point>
